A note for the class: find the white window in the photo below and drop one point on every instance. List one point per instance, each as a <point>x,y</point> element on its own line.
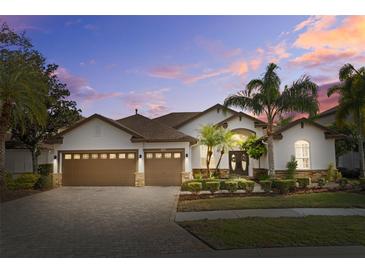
<point>85,156</point>
<point>149,155</point>
<point>94,156</point>
<point>68,156</point>
<point>103,156</point>
<point>167,155</point>
<point>158,155</point>
<point>121,155</point>
<point>177,155</point>
<point>77,157</point>
<point>131,156</point>
<point>302,154</point>
<point>112,156</point>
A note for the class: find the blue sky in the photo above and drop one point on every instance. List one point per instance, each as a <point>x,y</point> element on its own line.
<point>159,64</point>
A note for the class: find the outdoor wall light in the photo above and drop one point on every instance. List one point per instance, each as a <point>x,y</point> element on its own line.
<point>140,156</point>
<point>54,157</point>
<point>186,155</point>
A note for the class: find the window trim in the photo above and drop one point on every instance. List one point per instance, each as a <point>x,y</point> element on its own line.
<point>309,154</point>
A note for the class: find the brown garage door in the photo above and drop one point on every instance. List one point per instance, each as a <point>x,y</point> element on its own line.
<point>99,168</point>
<point>163,168</point>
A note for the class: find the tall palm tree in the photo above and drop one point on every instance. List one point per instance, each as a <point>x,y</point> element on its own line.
<point>23,86</point>
<point>263,96</point>
<point>227,142</point>
<point>351,90</point>
<point>211,137</point>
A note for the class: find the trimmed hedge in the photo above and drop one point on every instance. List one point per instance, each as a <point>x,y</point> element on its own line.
<point>45,169</point>
<point>195,187</point>
<point>231,186</point>
<point>266,185</point>
<point>24,181</point>
<point>44,182</point>
<point>249,186</point>
<point>212,186</point>
<point>304,182</point>
<point>285,186</point>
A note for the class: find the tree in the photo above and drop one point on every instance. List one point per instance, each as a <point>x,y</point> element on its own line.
<point>211,137</point>
<point>227,142</point>
<point>351,90</point>
<point>23,87</point>
<point>61,113</point>
<point>263,96</point>
<point>254,147</point>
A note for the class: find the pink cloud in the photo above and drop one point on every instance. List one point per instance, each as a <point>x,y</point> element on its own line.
<point>321,56</point>
<point>323,33</point>
<point>316,23</point>
<point>80,88</point>
<point>278,52</point>
<point>167,72</point>
<point>216,47</point>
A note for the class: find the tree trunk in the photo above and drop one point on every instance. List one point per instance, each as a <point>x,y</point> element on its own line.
<point>270,155</point>
<point>361,146</point>
<point>4,125</point>
<point>35,153</point>
<point>209,156</point>
<point>219,161</point>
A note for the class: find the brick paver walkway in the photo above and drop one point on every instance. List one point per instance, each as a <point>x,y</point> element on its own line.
<point>95,222</point>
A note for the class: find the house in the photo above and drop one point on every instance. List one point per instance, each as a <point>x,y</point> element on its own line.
<point>348,161</point>
<point>138,151</point>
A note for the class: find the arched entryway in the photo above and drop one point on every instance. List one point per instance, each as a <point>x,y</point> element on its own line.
<point>238,159</point>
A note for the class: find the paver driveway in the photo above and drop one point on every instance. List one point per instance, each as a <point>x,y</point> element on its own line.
<point>95,222</point>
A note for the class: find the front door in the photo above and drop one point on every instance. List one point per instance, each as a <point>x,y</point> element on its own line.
<point>238,163</point>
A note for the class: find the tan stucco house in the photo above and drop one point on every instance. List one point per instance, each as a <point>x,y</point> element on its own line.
<point>137,150</point>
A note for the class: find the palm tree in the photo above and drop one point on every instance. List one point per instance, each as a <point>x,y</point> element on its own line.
<point>227,142</point>
<point>351,90</point>
<point>23,86</point>
<point>211,137</point>
<point>263,96</point>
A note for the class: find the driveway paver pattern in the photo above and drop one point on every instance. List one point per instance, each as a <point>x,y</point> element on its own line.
<point>95,222</point>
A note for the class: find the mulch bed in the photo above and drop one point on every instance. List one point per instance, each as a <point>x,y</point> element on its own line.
<point>9,195</point>
<point>186,197</point>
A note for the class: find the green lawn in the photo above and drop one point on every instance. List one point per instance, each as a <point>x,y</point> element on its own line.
<point>280,232</point>
<point>324,199</point>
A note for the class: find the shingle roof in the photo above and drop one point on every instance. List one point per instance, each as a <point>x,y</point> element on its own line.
<point>327,112</point>
<point>173,119</point>
<point>153,131</point>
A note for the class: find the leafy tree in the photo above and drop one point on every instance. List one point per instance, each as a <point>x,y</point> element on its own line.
<point>254,147</point>
<point>211,137</point>
<point>61,113</point>
<point>227,142</point>
<point>23,86</point>
<point>351,90</point>
<point>263,96</point>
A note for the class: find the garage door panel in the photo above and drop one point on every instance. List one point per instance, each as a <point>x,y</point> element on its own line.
<point>98,171</point>
<point>163,169</point>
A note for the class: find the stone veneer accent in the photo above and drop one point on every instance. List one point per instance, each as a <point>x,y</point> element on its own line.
<point>56,179</point>
<point>139,179</point>
<point>186,176</point>
<point>313,174</point>
<point>223,173</point>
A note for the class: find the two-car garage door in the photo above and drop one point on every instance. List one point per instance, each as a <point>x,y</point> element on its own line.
<point>116,168</point>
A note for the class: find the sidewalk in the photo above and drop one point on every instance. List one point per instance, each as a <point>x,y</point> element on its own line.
<point>270,213</point>
<point>284,252</point>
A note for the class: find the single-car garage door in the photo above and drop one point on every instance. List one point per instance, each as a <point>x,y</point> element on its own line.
<point>163,168</point>
<point>115,168</point>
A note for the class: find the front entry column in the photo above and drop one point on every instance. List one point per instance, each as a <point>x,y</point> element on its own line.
<point>140,168</point>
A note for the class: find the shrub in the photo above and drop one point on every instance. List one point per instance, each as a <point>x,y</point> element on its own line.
<point>266,185</point>
<point>195,187</point>
<point>362,183</point>
<point>304,182</point>
<point>212,186</point>
<point>222,184</point>
<point>231,186</point>
<point>343,182</point>
<point>44,182</point>
<point>184,185</point>
<point>331,173</point>
<point>250,185</point>
<point>241,184</point>
<point>24,181</point>
<point>285,186</point>
<point>322,182</point>
<point>45,169</point>
<point>198,176</point>
<point>292,167</point>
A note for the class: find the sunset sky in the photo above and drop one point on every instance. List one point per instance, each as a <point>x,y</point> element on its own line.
<point>159,64</point>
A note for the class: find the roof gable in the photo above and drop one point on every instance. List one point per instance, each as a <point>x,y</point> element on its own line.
<point>174,119</point>
<point>153,131</point>
<point>102,118</point>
